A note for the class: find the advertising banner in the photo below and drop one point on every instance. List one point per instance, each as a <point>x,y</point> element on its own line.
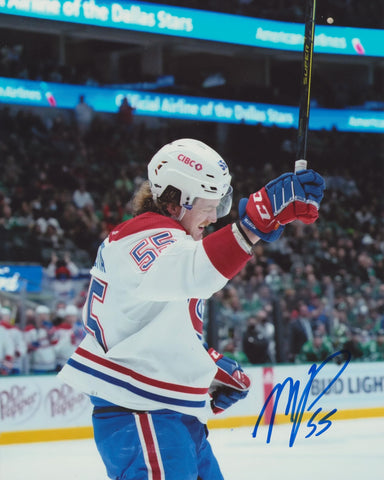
<point>198,24</point>
<point>108,100</point>
<point>16,278</point>
<point>310,397</point>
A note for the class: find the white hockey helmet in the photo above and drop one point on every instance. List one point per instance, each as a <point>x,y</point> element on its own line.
<point>195,169</point>
<point>42,310</point>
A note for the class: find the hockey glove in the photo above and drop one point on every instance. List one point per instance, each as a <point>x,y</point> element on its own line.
<point>230,384</point>
<point>290,197</point>
<point>6,366</point>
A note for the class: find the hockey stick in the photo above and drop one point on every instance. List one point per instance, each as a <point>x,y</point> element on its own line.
<point>305,94</point>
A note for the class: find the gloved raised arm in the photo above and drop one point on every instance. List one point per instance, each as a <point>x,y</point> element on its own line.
<point>292,196</point>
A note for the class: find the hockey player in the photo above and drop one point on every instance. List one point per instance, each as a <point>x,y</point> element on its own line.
<point>7,351</point>
<point>38,336</point>
<point>143,362</point>
<point>17,339</point>
<point>66,335</point>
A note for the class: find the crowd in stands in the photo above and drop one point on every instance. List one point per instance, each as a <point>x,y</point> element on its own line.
<point>318,289</point>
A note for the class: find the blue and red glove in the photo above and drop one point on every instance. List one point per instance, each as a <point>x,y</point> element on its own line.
<point>230,384</point>
<point>6,365</point>
<point>290,197</point>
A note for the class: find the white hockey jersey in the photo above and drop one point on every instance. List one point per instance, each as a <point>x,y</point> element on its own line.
<point>143,316</point>
<point>64,345</point>
<point>7,349</point>
<point>17,344</point>
<point>42,355</point>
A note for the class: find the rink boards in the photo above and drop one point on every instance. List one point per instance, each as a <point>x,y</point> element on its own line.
<point>41,408</point>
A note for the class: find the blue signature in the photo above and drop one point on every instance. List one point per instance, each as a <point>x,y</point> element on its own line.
<point>296,407</point>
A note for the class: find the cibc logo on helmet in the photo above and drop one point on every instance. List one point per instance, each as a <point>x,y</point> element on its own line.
<point>190,162</point>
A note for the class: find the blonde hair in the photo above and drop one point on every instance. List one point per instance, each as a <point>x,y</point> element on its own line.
<point>143,200</point>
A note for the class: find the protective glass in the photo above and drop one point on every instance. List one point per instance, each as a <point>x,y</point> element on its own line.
<point>225,204</point>
<point>223,208</point>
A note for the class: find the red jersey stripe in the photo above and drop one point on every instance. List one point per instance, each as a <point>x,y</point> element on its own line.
<point>150,447</point>
<point>137,376</point>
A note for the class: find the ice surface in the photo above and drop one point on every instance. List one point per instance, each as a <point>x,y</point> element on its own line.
<point>350,449</point>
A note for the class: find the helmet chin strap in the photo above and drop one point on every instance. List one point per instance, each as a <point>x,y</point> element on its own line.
<point>181,214</point>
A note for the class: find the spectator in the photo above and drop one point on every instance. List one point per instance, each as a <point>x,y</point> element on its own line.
<point>267,329</point>
<point>62,267</point>
<point>230,351</point>
<point>374,350</point>
<point>42,357</point>
<point>273,278</point>
<point>124,184</point>
<point>340,329</point>
<point>125,116</point>
<point>81,197</point>
<point>354,344</point>
<point>379,323</point>
<point>255,345</point>
<point>300,331</point>
<point>232,315</point>
<point>316,350</point>
<point>84,115</point>
<point>62,272</point>
<point>53,234</point>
